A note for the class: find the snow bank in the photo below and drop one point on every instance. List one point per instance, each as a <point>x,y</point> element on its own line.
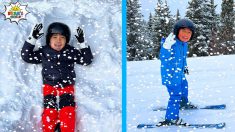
<point>98,86</point>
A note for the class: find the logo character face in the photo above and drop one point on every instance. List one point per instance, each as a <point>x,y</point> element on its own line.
<point>15,12</point>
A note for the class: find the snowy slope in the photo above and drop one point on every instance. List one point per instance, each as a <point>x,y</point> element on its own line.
<point>211,81</point>
<point>98,86</point>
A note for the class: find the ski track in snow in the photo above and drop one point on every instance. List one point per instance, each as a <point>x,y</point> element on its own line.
<point>98,86</point>
<point>211,81</point>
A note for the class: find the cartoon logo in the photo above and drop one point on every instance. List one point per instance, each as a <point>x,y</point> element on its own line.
<point>15,12</point>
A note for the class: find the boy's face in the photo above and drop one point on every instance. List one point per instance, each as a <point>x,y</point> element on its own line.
<point>184,34</point>
<point>57,42</point>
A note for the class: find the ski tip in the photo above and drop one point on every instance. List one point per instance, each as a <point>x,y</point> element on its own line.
<point>221,125</point>
<point>216,126</point>
<point>215,107</point>
<point>224,105</point>
<point>140,126</point>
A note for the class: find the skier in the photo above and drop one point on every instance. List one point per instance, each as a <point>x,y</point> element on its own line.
<point>173,54</point>
<point>57,58</point>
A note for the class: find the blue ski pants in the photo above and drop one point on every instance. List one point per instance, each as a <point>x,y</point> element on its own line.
<point>177,94</point>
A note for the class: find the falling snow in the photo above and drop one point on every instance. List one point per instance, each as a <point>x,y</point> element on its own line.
<point>21,83</point>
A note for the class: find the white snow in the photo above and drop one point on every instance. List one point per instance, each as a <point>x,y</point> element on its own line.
<point>211,81</point>
<point>98,86</point>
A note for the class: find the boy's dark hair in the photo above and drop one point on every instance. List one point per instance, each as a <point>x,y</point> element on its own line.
<point>59,28</point>
<point>184,23</point>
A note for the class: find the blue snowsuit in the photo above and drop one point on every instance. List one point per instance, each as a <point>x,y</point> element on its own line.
<point>173,62</point>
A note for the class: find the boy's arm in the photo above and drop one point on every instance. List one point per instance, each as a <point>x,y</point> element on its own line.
<point>27,53</point>
<point>30,56</point>
<point>165,54</point>
<point>84,54</point>
<point>166,50</point>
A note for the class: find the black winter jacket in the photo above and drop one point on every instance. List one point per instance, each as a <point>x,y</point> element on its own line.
<point>58,66</point>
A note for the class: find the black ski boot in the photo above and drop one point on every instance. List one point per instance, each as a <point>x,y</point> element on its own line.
<point>177,122</point>
<point>185,104</point>
<point>189,105</point>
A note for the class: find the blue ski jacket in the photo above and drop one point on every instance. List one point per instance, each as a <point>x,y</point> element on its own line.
<point>173,62</point>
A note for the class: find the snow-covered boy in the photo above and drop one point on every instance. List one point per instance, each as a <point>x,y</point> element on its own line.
<point>58,59</point>
<point>173,56</point>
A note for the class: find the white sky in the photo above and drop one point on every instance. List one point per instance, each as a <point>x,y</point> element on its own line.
<point>149,5</point>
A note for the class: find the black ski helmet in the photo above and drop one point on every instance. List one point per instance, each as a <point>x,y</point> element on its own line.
<point>184,23</point>
<point>60,28</point>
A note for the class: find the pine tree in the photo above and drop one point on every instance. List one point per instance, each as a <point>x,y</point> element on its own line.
<point>150,22</point>
<point>162,25</point>
<point>169,19</point>
<point>208,22</point>
<point>213,45</point>
<point>198,13</point>
<point>150,47</point>
<point>146,43</point>
<point>177,17</point>
<point>156,31</point>
<point>134,18</point>
<point>227,29</point>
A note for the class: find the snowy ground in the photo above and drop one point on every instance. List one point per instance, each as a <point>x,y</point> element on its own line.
<point>211,81</point>
<point>98,86</point>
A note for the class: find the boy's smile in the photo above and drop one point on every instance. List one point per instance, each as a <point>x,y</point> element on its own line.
<point>57,42</point>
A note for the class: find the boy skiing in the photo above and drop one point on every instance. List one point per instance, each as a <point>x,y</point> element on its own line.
<point>173,54</point>
<point>58,59</point>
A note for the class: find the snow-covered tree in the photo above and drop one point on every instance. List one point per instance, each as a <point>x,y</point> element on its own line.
<point>150,47</point>
<point>227,29</point>
<point>199,12</point>
<point>214,47</point>
<point>162,24</point>
<point>146,45</point>
<point>207,20</point>
<point>134,18</point>
<point>177,17</point>
<point>150,22</point>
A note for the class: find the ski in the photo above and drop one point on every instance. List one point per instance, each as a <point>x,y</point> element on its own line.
<point>212,107</point>
<point>216,126</point>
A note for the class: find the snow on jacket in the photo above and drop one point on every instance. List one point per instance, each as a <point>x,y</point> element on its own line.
<point>173,62</point>
<point>58,66</point>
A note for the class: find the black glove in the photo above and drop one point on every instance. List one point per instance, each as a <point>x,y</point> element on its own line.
<point>80,36</point>
<point>36,30</point>
<point>186,70</point>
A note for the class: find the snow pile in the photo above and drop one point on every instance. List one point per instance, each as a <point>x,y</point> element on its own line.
<point>98,86</point>
<point>211,81</point>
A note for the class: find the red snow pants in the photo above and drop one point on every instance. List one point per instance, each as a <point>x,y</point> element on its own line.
<point>59,108</point>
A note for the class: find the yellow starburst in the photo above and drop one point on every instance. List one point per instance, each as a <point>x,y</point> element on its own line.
<point>15,8</point>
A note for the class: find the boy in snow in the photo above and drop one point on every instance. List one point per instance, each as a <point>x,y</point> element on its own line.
<point>173,56</point>
<point>58,59</point>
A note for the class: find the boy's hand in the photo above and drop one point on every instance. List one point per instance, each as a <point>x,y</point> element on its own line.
<point>35,34</point>
<point>36,31</point>
<point>186,70</point>
<point>80,36</point>
<point>170,40</point>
